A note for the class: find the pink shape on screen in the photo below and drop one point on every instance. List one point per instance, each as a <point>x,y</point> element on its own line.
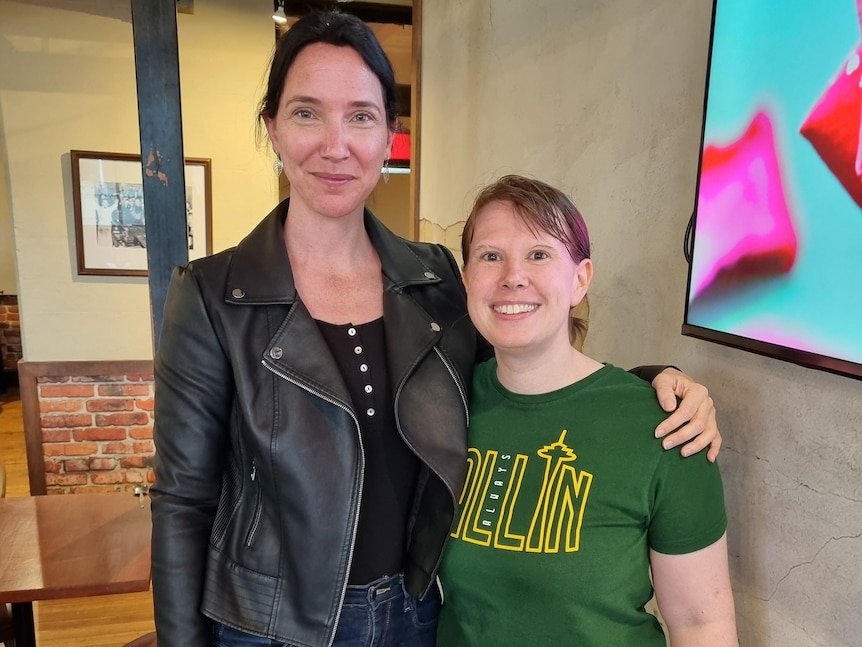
<point>744,227</point>
<point>832,127</point>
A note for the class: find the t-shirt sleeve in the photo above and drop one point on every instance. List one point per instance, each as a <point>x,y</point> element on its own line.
<point>688,504</point>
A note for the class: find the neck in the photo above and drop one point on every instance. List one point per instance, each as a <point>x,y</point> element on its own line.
<point>531,374</point>
<point>321,241</point>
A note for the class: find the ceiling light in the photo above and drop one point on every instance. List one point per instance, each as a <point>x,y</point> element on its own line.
<point>279,17</point>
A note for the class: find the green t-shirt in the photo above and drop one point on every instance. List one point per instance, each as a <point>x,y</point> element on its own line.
<point>565,493</point>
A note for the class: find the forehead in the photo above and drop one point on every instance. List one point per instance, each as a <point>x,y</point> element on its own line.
<point>502,220</point>
<point>326,67</point>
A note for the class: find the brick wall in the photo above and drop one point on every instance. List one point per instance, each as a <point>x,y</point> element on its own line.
<point>10,332</point>
<point>97,432</point>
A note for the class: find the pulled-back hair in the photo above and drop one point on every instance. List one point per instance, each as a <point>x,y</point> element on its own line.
<point>332,28</point>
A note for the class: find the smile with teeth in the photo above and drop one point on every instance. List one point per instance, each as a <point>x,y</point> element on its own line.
<point>515,308</point>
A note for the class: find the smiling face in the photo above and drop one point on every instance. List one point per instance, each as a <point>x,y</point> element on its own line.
<point>331,130</point>
<point>521,284</point>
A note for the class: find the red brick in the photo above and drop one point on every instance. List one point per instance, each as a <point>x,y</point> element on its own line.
<point>102,464</point>
<point>119,404</point>
<point>135,462</point>
<point>134,477</point>
<point>147,404</point>
<point>56,435</point>
<point>67,420</point>
<point>66,391</point>
<point>52,379</point>
<point>65,479</point>
<point>121,419</point>
<point>100,433</point>
<point>53,467</point>
<point>124,389</point>
<point>76,465</point>
<point>96,489</point>
<point>144,448</point>
<point>98,378</point>
<point>49,406</point>
<point>141,433</point>
<point>118,448</point>
<point>151,476</point>
<point>108,478</point>
<point>70,449</point>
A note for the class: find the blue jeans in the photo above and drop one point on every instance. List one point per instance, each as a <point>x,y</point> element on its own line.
<point>380,614</point>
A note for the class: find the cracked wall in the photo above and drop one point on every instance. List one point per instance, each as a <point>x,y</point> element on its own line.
<point>604,99</point>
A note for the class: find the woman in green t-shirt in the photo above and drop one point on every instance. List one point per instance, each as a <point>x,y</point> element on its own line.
<point>569,503</point>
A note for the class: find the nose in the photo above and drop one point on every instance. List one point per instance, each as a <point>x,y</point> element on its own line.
<point>334,145</point>
<point>513,275</point>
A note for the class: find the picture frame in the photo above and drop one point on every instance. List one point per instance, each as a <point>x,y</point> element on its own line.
<point>110,234</point>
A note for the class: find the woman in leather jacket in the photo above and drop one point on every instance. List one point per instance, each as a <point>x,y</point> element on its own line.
<point>311,389</point>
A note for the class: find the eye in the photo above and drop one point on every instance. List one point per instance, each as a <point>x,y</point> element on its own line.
<point>363,117</point>
<point>304,113</point>
<point>490,257</point>
<point>539,255</point>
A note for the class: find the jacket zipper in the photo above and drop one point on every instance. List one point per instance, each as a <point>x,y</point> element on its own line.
<point>347,410</point>
<point>258,508</point>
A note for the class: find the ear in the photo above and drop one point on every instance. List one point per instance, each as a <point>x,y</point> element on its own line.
<point>272,131</point>
<point>581,281</point>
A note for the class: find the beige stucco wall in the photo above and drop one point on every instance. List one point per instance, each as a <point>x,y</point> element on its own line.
<point>604,99</point>
<point>67,81</point>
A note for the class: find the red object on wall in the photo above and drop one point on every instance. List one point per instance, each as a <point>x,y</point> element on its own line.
<point>401,148</point>
<point>832,127</point>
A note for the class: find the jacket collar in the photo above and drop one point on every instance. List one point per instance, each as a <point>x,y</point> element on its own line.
<point>260,270</point>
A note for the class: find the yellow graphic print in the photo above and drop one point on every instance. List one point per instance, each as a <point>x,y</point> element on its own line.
<point>491,495</point>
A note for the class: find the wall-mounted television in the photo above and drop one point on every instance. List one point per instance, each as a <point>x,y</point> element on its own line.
<point>775,241</point>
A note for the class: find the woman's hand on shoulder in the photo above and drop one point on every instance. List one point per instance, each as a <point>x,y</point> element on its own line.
<point>692,420</point>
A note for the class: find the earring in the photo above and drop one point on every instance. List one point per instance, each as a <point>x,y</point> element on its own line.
<point>386,171</point>
<point>278,167</point>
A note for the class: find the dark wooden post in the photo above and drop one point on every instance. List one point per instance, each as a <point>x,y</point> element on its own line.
<point>154,24</point>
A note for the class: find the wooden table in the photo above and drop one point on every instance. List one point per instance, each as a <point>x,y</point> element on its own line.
<point>72,545</point>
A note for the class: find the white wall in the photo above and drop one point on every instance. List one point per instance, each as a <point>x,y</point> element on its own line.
<point>67,81</point>
<point>604,99</point>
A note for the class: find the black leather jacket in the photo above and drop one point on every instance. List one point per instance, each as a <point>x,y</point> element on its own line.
<point>259,464</point>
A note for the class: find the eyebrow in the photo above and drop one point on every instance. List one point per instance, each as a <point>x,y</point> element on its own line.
<point>316,101</point>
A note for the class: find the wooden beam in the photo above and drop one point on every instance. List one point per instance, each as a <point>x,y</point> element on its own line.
<point>154,25</point>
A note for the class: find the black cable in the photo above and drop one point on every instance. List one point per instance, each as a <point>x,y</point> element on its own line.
<point>688,241</point>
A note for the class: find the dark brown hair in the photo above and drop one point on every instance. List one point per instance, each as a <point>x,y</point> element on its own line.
<point>333,28</point>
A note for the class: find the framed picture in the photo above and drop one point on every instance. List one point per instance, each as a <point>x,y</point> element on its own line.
<point>108,195</point>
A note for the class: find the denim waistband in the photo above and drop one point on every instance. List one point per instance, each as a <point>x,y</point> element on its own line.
<point>380,590</point>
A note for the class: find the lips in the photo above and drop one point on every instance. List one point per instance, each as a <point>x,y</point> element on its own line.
<point>514,308</point>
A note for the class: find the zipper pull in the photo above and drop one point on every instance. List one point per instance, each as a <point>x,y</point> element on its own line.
<point>253,470</point>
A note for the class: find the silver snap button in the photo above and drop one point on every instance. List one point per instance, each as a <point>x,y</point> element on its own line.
<point>351,331</point>
<point>363,368</point>
<point>368,388</point>
<point>236,293</point>
<point>275,352</point>
<point>357,350</point>
<point>435,326</point>
<point>430,275</point>
<point>369,411</point>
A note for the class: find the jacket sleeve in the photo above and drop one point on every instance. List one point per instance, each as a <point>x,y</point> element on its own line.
<point>193,394</point>
<point>649,373</point>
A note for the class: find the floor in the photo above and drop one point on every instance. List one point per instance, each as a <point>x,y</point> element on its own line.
<point>105,621</point>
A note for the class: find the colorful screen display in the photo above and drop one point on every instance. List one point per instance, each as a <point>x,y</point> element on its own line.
<point>776,259</point>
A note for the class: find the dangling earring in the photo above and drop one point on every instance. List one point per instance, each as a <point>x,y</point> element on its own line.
<point>278,167</point>
<point>386,171</point>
